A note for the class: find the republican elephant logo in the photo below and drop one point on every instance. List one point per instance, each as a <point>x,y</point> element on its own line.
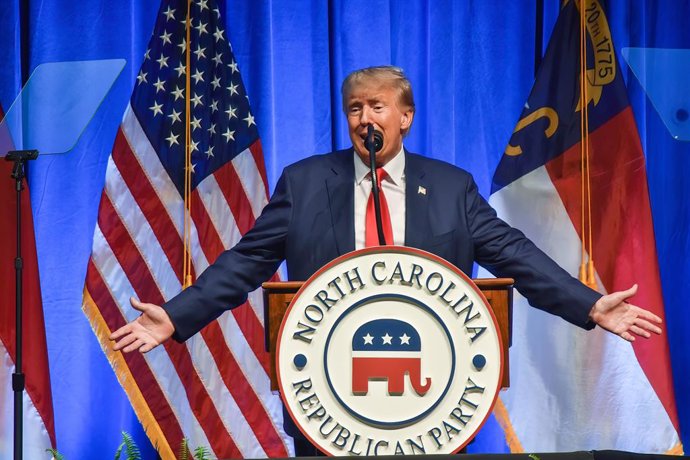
<point>387,349</point>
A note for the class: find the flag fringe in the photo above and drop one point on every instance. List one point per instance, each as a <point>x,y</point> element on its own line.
<point>501,414</point>
<point>124,376</point>
<point>675,450</point>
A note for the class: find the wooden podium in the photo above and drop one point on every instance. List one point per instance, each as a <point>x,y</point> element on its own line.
<point>277,297</point>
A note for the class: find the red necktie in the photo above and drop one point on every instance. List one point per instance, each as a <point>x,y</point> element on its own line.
<point>370,234</point>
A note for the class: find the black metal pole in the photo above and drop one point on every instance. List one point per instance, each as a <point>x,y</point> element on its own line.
<point>18,376</point>
<point>19,157</point>
<point>538,35</point>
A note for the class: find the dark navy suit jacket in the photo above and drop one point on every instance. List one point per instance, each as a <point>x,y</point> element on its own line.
<point>310,220</point>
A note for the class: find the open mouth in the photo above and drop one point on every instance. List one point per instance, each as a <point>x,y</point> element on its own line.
<point>363,136</point>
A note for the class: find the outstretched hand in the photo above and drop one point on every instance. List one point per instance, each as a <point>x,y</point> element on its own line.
<point>145,333</point>
<point>614,314</point>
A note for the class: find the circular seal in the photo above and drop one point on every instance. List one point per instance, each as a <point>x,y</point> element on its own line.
<point>389,350</point>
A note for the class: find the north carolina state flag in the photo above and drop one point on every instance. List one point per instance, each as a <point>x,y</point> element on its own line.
<point>572,389</point>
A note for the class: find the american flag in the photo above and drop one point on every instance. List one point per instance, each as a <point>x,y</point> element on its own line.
<point>214,389</point>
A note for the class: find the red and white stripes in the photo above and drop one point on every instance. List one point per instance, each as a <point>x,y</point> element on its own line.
<point>214,389</point>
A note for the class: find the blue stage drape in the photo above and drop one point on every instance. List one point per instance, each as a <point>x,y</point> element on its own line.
<point>471,64</point>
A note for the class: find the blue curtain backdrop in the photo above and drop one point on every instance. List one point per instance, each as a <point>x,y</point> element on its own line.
<point>471,64</point>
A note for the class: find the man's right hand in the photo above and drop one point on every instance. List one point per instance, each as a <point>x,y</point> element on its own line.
<point>146,332</point>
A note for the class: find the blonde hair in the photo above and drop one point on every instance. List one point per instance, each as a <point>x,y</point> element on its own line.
<point>388,75</point>
<point>385,75</point>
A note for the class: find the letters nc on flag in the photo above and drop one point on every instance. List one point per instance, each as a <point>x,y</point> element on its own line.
<point>38,425</point>
<point>214,389</point>
<point>572,389</point>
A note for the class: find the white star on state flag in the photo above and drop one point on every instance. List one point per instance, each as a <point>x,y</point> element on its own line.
<point>231,113</point>
<point>249,120</point>
<point>233,89</point>
<point>195,123</point>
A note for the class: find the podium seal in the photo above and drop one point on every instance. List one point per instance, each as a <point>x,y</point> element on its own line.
<point>389,350</point>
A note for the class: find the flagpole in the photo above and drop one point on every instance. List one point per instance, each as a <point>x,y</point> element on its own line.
<point>187,263</point>
<point>590,280</point>
<point>586,272</point>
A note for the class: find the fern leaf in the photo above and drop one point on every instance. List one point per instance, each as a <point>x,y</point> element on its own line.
<point>118,452</point>
<point>183,453</point>
<point>202,453</point>
<point>55,454</point>
<point>131,448</point>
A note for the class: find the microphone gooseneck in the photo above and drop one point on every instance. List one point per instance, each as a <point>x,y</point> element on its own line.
<point>374,143</point>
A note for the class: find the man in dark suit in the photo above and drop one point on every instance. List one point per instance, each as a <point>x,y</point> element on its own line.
<point>318,212</point>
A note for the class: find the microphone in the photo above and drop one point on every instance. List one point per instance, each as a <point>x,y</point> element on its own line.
<point>374,138</point>
<point>374,143</point>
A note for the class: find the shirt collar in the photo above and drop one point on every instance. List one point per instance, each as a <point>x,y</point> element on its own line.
<point>395,168</point>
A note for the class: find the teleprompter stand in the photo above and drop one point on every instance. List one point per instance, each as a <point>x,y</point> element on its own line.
<point>49,114</point>
<point>19,157</point>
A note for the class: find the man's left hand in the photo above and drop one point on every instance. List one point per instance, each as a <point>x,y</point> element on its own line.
<point>614,314</point>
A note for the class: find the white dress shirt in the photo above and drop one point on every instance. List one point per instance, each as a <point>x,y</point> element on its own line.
<point>393,186</point>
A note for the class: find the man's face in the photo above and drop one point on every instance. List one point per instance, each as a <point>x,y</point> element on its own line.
<point>377,104</point>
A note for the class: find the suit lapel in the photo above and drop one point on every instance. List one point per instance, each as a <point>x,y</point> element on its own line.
<point>417,195</point>
<point>341,200</point>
